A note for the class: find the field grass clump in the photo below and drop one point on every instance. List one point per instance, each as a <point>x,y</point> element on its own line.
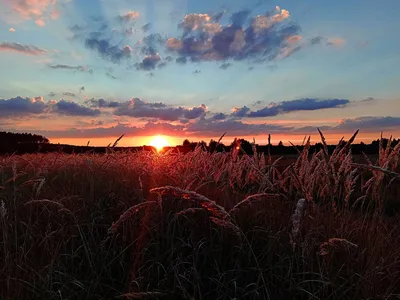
<point>200,225</point>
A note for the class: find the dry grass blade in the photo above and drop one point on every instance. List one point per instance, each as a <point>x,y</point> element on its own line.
<point>217,210</point>
<point>45,201</point>
<point>117,140</point>
<point>141,295</point>
<point>376,168</point>
<point>253,198</point>
<point>129,213</point>
<point>221,137</point>
<point>326,153</point>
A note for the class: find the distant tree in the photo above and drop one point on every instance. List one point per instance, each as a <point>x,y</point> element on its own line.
<point>186,143</point>
<point>280,144</point>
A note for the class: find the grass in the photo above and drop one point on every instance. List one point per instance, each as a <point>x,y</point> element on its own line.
<point>200,226</point>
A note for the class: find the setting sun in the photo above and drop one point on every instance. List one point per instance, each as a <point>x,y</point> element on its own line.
<point>159,142</point>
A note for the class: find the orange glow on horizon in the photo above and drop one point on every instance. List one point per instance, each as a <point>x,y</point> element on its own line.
<point>159,142</point>
<point>138,141</point>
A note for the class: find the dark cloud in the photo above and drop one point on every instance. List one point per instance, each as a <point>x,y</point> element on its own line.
<point>19,48</point>
<point>70,108</point>
<point>181,60</point>
<point>225,66</point>
<point>149,62</point>
<point>140,109</point>
<point>106,50</point>
<point>19,106</point>
<point>76,28</point>
<point>218,117</point>
<point>211,127</point>
<point>307,104</point>
<point>146,27</point>
<point>218,16</point>
<point>101,103</point>
<point>240,112</point>
<point>72,68</point>
<point>69,94</point>
<point>316,40</point>
<point>162,65</point>
<point>239,18</point>
<point>264,37</point>
<point>369,123</point>
<point>108,74</point>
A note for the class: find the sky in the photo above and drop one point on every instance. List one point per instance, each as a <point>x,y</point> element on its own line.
<point>80,70</point>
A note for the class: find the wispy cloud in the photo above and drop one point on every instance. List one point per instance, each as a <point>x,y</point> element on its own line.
<point>72,68</point>
<point>306,104</point>
<point>23,49</point>
<point>336,42</point>
<point>39,10</point>
<point>140,109</point>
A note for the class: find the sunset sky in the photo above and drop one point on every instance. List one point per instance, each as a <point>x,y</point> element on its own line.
<point>79,70</point>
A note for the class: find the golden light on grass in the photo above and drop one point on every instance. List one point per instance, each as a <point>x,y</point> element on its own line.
<point>159,142</point>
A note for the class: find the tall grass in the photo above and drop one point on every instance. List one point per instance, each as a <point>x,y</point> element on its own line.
<point>200,225</point>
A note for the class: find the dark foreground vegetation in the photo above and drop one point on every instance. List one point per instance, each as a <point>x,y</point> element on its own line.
<point>200,225</point>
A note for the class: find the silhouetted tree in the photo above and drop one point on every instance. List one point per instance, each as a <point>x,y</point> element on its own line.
<point>186,143</point>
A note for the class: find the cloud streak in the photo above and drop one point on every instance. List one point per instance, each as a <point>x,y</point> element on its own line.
<point>306,104</point>
<point>23,49</point>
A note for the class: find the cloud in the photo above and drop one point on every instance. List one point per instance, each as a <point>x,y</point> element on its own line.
<point>101,103</point>
<point>19,48</point>
<point>316,40</point>
<point>214,128</point>
<point>70,108</point>
<point>40,22</point>
<point>146,27</point>
<point>369,123</point>
<point>268,37</point>
<point>72,68</point>
<point>335,42</point>
<point>51,94</point>
<point>130,16</point>
<point>218,117</point>
<point>306,104</point>
<point>12,29</point>
<point>225,66</point>
<point>108,74</point>
<point>181,60</point>
<point>139,109</point>
<point>149,128</point>
<point>240,112</point>
<point>36,9</point>
<point>69,94</point>
<point>19,106</point>
<point>149,62</point>
<point>106,50</point>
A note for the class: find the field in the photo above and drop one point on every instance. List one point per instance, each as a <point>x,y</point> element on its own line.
<point>200,226</point>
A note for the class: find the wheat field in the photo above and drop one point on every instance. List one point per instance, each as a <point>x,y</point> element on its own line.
<point>200,226</point>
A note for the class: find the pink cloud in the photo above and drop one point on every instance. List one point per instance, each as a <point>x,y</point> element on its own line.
<point>40,22</point>
<point>336,42</point>
<point>19,48</point>
<point>39,10</point>
<point>11,29</point>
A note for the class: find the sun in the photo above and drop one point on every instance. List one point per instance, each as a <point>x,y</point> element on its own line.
<point>159,143</point>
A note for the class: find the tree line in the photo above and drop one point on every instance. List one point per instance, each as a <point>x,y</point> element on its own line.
<point>30,143</point>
